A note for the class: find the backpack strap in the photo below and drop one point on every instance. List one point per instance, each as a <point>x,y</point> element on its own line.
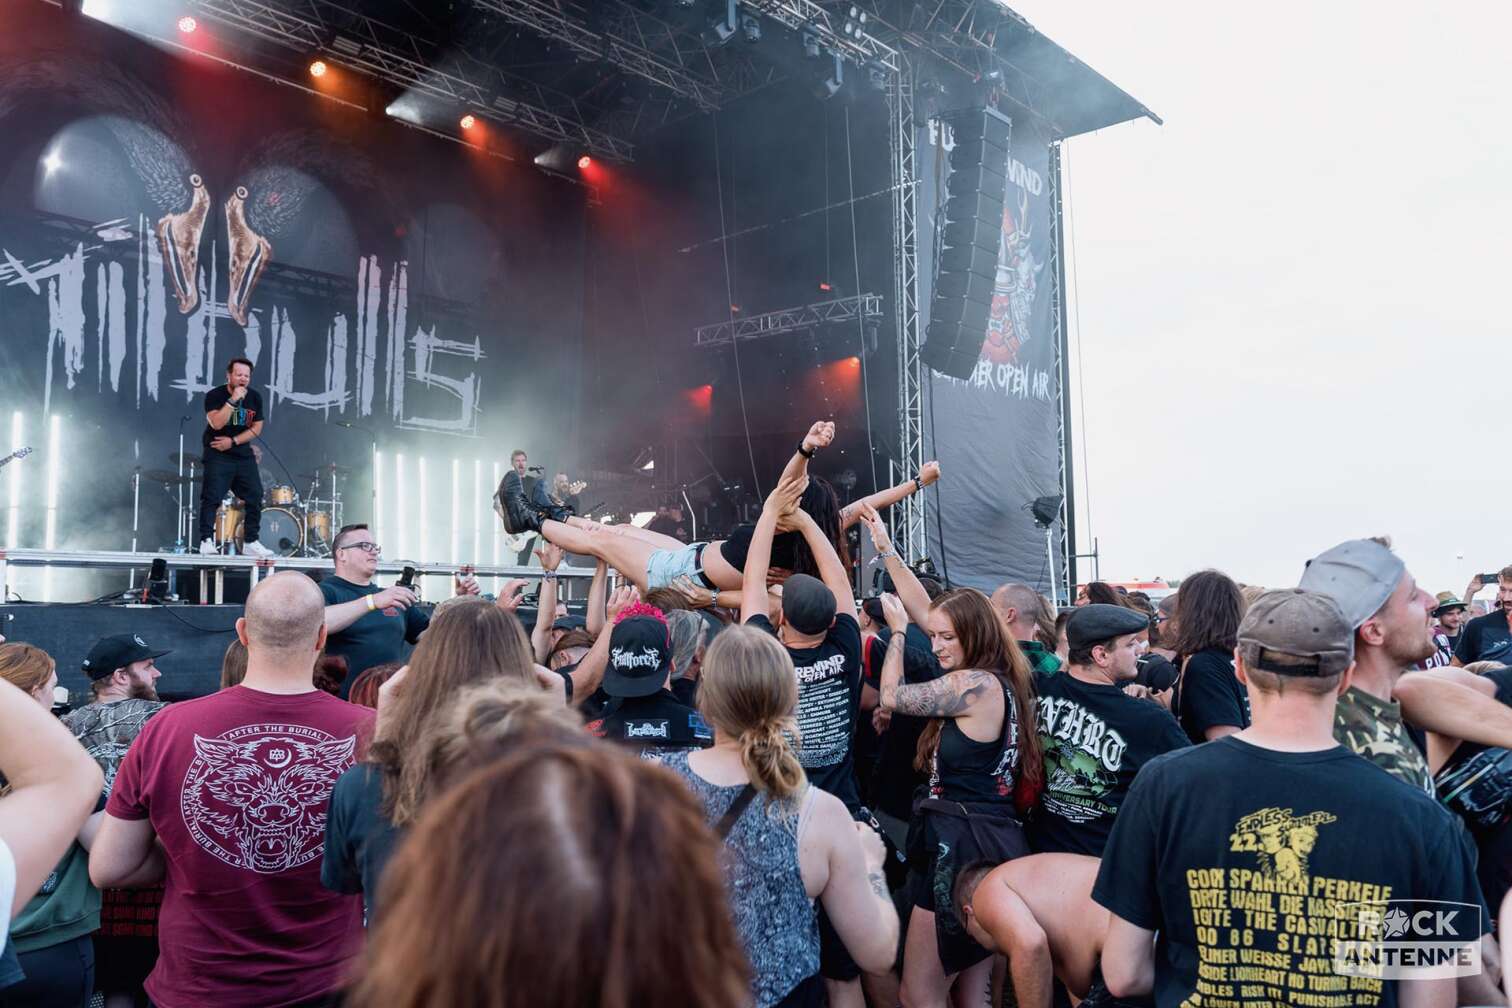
<point>733,813</point>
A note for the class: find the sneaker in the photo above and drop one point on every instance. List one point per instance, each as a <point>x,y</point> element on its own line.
<point>258,550</point>
<point>519,515</point>
<point>207,547</point>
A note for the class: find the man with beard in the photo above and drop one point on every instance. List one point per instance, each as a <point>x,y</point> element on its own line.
<point>123,681</point>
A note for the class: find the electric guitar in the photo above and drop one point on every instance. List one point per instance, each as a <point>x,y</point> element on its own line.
<point>19,453</point>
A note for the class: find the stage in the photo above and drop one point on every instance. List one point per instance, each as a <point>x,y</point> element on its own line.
<point>198,634</point>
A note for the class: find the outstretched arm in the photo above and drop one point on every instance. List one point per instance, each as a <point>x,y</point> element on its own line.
<point>831,569</point>
<point>1452,705</point>
<point>598,592</point>
<point>540,635</point>
<point>590,671</point>
<point>819,436</point>
<point>851,513</point>
<point>783,499</point>
<point>912,594</point>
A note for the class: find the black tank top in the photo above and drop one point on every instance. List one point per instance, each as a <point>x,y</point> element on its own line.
<point>966,770</point>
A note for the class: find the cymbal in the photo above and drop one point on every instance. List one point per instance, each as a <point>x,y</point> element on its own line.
<point>184,458</point>
<point>165,476</point>
<point>326,469</point>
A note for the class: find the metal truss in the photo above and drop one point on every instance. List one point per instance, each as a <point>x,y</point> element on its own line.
<point>851,309</point>
<point>1066,537</point>
<point>365,44</point>
<point>799,15</point>
<point>909,516</point>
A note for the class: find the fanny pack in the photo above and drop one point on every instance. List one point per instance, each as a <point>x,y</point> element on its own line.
<point>1480,789</point>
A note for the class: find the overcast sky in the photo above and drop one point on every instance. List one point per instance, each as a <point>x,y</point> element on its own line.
<point>1293,295</point>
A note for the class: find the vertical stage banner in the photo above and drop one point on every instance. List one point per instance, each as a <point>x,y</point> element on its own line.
<point>996,433</point>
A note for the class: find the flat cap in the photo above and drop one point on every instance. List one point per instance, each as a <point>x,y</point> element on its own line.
<point>1095,623</point>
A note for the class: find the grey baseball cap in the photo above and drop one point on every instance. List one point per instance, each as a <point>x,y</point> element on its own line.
<point>1295,632</point>
<point>1098,622</point>
<point>1359,575</point>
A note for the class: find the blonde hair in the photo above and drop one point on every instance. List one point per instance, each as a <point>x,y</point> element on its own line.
<point>25,666</point>
<point>491,720</point>
<point>749,690</point>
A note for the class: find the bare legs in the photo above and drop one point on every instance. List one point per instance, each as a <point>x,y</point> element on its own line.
<point>626,554</point>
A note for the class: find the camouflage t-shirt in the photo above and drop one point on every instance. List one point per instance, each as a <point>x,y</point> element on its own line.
<point>106,731</point>
<point>1373,728</point>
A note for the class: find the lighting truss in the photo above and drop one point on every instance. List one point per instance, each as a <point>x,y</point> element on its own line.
<point>801,15</point>
<point>370,46</point>
<point>910,516</point>
<point>850,309</point>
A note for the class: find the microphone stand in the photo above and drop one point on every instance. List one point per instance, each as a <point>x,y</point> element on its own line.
<point>178,546</point>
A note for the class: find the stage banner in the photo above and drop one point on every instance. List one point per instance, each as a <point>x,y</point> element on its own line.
<point>995,433</point>
<point>161,213</point>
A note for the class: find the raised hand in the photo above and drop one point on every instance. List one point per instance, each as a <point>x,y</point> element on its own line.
<point>621,599</point>
<point>877,528</point>
<point>785,495</point>
<point>894,613</point>
<point>511,595</point>
<point>551,556</point>
<point>820,435</point>
<point>929,473</point>
<point>463,582</point>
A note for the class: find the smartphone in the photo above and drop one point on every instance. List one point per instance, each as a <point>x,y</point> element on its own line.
<point>407,579</point>
<point>1487,579</point>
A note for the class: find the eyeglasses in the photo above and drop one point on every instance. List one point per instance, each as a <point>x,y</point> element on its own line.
<point>366,547</point>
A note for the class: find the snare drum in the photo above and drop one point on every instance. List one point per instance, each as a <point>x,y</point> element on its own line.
<point>281,495</point>
<point>228,523</point>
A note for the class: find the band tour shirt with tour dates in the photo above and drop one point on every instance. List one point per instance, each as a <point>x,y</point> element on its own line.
<point>829,692</point>
<point>1269,876</point>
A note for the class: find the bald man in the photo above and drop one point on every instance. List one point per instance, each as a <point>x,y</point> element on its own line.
<point>1019,607</point>
<point>223,801</point>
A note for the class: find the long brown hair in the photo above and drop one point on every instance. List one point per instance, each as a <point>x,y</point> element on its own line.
<point>233,665</point>
<point>749,691</point>
<point>563,876</point>
<point>1209,607</point>
<point>491,720</point>
<point>469,641</point>
<point>25,666</point>
<point>986,646</point>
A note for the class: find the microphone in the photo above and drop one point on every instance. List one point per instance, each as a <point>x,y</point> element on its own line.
<point>343,423</point>
<point>535,468</point>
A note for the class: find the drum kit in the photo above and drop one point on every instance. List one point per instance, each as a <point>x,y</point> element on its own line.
<point>293,524</point>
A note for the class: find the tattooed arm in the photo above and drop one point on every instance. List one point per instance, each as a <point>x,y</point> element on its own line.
<point>957,694</point>
<point>854,892</point>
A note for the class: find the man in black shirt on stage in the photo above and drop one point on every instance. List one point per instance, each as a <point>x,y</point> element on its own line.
<point>233,418</point>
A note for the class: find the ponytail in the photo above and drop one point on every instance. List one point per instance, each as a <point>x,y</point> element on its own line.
<point>769,759</point>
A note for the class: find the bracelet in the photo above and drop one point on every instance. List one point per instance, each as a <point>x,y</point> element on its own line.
<point>370,605</point>
<point>807,454</point>
<point>548,576</point>
<point>918,485</point>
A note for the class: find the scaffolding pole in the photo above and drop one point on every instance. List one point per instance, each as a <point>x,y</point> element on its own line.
<point>908,517</point>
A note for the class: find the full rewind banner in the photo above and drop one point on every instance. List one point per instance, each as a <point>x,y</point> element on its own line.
<point>995,432</point>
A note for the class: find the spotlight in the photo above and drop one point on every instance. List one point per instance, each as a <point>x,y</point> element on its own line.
<point>750,27</point>
<point>469,121</point>
<point>52,162</point>
<point>585,162</point>
<point>318,68</point>
<point>811,39</point>
<point>876,74</point>
<point>854,25</point>
<point>722,29</point>
<point>831,84</point>
<point>187,24</point>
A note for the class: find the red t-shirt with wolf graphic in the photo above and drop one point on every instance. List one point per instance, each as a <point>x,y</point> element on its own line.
<point>236,786</point>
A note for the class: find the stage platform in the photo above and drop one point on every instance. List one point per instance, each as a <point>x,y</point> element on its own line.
<point>197,634</point>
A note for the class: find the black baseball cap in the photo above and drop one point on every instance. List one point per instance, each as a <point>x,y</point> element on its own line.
<point>116,652</point>
<point>640,657</point>
<point>808,605</point>
<point>569,622</point>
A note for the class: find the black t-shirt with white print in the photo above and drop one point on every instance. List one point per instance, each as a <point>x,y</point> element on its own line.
<point>1095,738</point>
<point>1253,866</point>
<point>243,416</point>
<point>1485,638</point>
<point>829,694</point>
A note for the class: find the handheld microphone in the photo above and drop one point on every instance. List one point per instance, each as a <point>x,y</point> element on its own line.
<point>539,469</point>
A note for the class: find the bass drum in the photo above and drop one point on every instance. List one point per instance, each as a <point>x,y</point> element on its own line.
<point>281,531</point>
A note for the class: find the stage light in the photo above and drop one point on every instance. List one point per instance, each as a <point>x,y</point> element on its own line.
<point>456,514</point>
<point>469,121</point>
<point>421,550</point>
<point>825,287</point>
<point>876,74</point>
<point>811,41</point>
<point>722,29</point>
<point>585,162</point>
<point>318,68</point>
<point>13,521</point>
<point>401,502</point>
<point>52,162</point>
<point>187,24</point>
<point>750,27</point>
<point>379,532</point>
<point>831,84</point>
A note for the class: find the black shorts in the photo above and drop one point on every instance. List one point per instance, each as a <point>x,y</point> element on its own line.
<point>122,964</point>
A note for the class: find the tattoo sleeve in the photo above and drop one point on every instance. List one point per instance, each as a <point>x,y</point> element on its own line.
<point>949,696</point>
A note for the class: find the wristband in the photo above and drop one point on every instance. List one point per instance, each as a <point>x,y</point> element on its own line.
<point>370,605</point>
<point>807,454</point>
<point>918,485</point>
<point>549,576</point>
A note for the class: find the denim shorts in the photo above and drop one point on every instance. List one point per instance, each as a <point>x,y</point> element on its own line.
<point>665,566</point>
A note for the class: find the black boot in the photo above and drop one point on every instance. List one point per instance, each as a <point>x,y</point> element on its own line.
<point>512,506</point>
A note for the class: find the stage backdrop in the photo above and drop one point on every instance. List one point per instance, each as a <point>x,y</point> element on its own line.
<point>995,433</point>
<point>160,214</point>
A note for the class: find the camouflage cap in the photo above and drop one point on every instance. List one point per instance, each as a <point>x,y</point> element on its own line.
<point>1289,624</point>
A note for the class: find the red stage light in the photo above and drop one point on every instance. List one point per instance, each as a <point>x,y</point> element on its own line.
<point>825,287</point>
<point>318,68</point>
<point>584,162</point>
<point>187,24</point>
<point>469,121</point>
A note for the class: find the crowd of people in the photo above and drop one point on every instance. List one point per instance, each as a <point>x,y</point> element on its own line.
<point>732,782</point>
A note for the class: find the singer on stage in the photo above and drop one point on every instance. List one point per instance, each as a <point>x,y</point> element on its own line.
<point>233,418</point>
